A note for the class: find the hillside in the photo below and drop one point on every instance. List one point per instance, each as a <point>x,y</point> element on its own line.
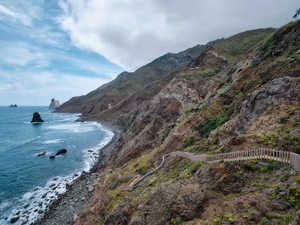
<point>232,94</point>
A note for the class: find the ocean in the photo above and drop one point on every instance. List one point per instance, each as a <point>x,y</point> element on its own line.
<point>28,182</point>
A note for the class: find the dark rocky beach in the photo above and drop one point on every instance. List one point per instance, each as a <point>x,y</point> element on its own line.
<point>65,209</point>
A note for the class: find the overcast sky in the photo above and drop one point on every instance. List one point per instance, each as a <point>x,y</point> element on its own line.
<point>64,48</point>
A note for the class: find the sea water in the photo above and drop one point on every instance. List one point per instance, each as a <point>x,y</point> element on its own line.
<point>28,182</point>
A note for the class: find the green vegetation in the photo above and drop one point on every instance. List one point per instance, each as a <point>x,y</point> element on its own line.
<point>188,141</point>
<point>290,217</point>
<point>241,175</point>
<point>143,169</point>
<point>213,122</point>
<point>229,217</point>
<point>254,63</point>
<point>294,196</point>
<point>284,177</point>
<point>273,139</point>
<point>177,220</point>
<point>269,45</point>
<point>264,221</point>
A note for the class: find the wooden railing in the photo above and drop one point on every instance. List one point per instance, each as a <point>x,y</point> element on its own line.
<point>259,153</point>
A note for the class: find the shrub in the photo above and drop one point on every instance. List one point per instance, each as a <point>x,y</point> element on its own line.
<point>188,141</point>
<point>264,221</point>
<point>284,177</point>
<point>241,175</point>
<point>254,63</point>
<point>177,220</point>
<point>143,169</point>
<point>213,122</point>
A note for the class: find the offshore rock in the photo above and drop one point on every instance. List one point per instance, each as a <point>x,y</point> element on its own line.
<point>36,118</point>
<point>61,151</point>
<point>54,104</point>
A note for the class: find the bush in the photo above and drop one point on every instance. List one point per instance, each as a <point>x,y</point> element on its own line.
<point>143,169</point>
<point>188,141</point>
<point>241,175</point>
<point>213,122</point>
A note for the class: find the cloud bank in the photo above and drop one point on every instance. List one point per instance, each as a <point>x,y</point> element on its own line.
<point>132,33</point>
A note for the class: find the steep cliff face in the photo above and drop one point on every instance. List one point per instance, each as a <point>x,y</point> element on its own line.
<point>127,83</point>
<point>237,93</point>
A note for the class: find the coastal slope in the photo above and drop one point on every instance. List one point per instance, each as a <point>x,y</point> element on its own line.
<point>233,94</point>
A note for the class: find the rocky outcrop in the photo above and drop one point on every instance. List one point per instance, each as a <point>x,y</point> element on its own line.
<point>186,200</point>
<point>41,154</point>
<point>54,104</point>
<point>36,118</point>
<point>13,106</point>
<point>61,151</point>
<point>278,96</point>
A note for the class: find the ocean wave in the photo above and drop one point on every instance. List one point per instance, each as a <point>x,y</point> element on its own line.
<point>54,141</point>
<point>33,204</point>
<point>91,155</point>
<point>74,127</point>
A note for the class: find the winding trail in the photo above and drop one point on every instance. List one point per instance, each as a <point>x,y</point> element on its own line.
<point>290,158</point>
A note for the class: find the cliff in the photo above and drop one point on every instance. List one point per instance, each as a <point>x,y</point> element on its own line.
<point>232,94</point>
<point>54,104</point>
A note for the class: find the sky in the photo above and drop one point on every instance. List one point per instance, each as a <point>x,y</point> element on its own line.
<point>65,48</point>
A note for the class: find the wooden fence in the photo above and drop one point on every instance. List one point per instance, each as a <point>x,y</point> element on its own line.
<point>259,153</point>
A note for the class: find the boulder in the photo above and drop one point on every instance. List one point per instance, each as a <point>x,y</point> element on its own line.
<point>54,104</point>
<point>61,151</point>
<point>42,154</point>
<point>14,219</point>
<point>52,157</point>
<point>36,118</point>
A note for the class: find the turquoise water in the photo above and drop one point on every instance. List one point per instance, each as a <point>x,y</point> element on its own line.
<point>28,183</point>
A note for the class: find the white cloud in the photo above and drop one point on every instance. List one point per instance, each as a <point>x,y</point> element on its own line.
<point>134,32</point>
<point>9,87</point>
<point>38,88</point>
<point>21,54</point>
<point>16,16</point>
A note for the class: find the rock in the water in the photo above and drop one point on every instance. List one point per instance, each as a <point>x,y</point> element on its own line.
<point>42,154</point>
<point>61,151</point>
<point>52,157</point>
<point>14,219</point>
<point>54,104</point>
<point>36,118</point>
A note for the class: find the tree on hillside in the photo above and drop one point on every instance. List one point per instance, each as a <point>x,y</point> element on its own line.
<point>297,13</point>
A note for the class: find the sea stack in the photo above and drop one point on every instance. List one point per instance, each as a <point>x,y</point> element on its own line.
<point>54,104</point>
<point>36,118</point>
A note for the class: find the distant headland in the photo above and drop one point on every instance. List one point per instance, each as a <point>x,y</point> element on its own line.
<point>13,105</point>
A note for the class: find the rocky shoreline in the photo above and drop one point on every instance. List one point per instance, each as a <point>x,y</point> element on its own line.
<point>65,209</point>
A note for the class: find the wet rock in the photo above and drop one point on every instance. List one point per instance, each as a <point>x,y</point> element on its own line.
<point>14,219</point>
<point>36,118</point>
<point>26,206</point>
<point>42,154</point>
<point>61,151</point>
<point>52,157</point>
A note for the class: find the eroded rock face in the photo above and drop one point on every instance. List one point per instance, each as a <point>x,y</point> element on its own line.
<point>279,95</point>
<point>186,200</point>
<point>36,118</point>
<point>280,92</point>
<point>54,104</point>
